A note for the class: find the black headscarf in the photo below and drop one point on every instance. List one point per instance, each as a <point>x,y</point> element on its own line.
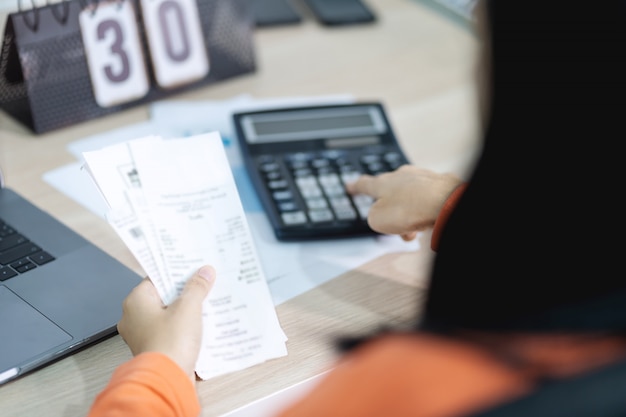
<point>537,240</point>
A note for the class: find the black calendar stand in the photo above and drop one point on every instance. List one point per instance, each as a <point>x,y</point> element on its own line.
<point>44,75</point>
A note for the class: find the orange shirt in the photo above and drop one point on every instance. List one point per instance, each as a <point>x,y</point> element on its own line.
<point>150,384</point>
<point>414,375</point>
<point>398,375</point>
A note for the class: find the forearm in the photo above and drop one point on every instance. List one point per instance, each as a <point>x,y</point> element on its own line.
<point>150,384</point>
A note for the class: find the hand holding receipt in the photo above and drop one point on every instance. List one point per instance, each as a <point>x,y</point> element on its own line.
<point>175,205</point>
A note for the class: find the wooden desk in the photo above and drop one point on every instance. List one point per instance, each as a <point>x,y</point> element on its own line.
<point>418,63</point>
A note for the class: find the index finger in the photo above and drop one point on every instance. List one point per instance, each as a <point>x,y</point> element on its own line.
<point>365,184</point>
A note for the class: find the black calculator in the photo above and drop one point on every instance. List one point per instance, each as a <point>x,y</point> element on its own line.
<point>299,160</point>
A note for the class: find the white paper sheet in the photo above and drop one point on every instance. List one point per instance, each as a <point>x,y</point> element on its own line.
<point>179,198</point>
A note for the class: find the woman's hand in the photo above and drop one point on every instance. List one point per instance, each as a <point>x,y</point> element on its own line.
<point>407,200</point>
<point>175,330</point>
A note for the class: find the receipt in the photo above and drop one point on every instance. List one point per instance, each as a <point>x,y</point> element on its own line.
<point>175,205</point>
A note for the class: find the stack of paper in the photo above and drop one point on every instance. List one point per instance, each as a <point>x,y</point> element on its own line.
<point>175,205</point>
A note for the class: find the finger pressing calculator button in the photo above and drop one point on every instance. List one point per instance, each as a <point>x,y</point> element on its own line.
<point>349,177</point>
<point>294,217</point>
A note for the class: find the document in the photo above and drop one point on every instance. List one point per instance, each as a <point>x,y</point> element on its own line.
<point>291,268</point>
<point>174,203</point>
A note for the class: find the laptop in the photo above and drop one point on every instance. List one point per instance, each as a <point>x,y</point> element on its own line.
<point>58,291</point>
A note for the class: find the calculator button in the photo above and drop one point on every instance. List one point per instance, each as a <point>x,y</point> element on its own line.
<point>311,191</point>
<point>264,159</point>
<point>345,213</point>
<point>340,202</point>
<point>363,203</point>
<point>269,166</point>
<point>294,217</point>
<point>320,163</point>
<point>274,185</point>
<point>363,212</point>
<point>298,164</point>
<point>300,156</point>
<point>282,195</point>
<point>273,175</point>
<point>308,181</point>
<point>287,206</point>
<point>316,203</point>
<point>376,168</point>
<point>362,200</point>
<point>370,158</point>
<point>392,157</point>
<point>304,172</point>
<point>333,154</point>
<point>347,168</point>
<point>334,191</point>
<point>329,179</point>
<point>318,216</point>
<point>349,177</point>
<point>326,170</point>
<point>393,165</point>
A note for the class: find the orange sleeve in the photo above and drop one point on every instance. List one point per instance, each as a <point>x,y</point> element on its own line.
<point>412,375</point>
<point>444,214</point>
<point>150,384</point>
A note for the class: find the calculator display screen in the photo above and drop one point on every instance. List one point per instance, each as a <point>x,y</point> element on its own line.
<point>305,124</point>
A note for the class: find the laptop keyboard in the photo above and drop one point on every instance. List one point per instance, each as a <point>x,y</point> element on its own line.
<point>18,254</point>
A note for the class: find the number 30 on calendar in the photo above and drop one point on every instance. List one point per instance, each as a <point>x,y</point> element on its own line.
<point>117,66</point>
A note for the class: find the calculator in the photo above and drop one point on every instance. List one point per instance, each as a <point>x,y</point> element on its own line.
<point>300,158</point>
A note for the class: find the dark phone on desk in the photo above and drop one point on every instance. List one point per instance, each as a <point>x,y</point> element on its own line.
<point>274,12</point>
<point>299,160</point>
<point>341,12</point>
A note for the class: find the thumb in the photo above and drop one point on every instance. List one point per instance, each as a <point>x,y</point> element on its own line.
<point>198,286</point>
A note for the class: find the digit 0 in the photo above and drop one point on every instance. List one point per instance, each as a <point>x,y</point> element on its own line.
<point>173,10</point>
<point>176,41</point>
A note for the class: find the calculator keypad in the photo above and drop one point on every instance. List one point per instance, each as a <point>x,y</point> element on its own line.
<point>309,187</point>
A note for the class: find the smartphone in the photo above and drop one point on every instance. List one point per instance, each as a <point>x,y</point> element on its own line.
<point>341,12</point>
<point>274,12</point>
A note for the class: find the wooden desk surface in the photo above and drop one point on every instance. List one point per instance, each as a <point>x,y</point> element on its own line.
<point>417,63</point>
